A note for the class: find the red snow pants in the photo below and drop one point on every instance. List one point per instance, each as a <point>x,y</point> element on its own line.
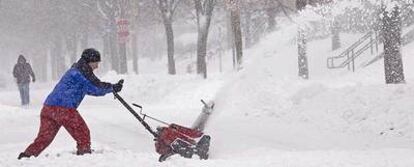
<point>51,119</point>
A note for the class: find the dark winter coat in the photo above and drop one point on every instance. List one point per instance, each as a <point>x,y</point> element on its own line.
<point>22,71</point>
<point>77,82</point>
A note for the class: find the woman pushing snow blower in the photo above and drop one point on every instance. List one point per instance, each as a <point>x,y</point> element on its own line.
<point>60,107</point>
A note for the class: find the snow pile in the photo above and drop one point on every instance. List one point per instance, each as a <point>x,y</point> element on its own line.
<point>337,100</point>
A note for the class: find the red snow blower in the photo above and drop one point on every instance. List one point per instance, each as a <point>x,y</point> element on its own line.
<point>176,139</point>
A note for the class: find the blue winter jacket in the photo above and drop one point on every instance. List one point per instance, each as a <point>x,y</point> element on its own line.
<point>77,82</point>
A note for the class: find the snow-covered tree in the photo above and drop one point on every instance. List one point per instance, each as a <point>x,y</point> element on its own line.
<point>204,12</point>
<point>167,9</point>
<point>303,70</point>
<point>123,10</point>
<point>234,7</point>
<point>110,11</point>
<point>336,40</point>
<point>135,18</point>
<point>391,32</point>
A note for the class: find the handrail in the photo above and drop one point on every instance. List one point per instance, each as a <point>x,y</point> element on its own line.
<point>350,53</point>
<point>330,62</point>
<point>356,44</point>
<point>357,54</point>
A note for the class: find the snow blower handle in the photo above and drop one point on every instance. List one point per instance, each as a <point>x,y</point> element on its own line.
<point>205,104</point>
<point>132,111</point>
<point>136,105</point>
<point>145,115</point>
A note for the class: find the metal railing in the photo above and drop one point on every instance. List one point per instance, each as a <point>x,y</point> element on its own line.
<point>350,54</point>
<point>347,57</point>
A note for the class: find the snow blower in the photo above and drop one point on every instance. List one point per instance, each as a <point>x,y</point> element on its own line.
<point>176,139</point>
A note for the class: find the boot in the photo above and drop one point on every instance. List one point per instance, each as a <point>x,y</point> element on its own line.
<point>82,152</point>
<point>23,155</point>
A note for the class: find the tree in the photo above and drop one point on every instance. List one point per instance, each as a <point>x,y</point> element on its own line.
<point>143,17</point>
<point>247,13</point>
<point>336,40</point>
<point>250,10</point>
<point>135,15</point>
<point>234,7</point>
<point>167,9</point>
<point>204,12</point>
<point>302,59</point>
<point>393,65</point>
<point>122,37</point>
<point>110,11</point>
<point>93,20</point>
<point>271,10</point>
<point>301,4</point>
<point>58,21</point>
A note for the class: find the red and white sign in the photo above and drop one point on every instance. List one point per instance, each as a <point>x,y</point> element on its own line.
<point>123,31</point>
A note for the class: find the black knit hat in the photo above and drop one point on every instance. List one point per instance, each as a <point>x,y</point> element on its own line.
<point>91,55</point>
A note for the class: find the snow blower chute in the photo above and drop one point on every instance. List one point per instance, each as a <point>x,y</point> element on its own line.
<point>176,139</point>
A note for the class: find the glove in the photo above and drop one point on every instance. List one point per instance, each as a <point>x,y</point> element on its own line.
<point>33,79</point>
<point>118,86</point>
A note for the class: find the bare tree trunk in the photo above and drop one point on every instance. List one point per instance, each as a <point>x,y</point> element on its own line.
<point>393,65</point>
<point>39,66</point>
<point>201,53</point>
<point>61,64</point>
<point>71,46</point>
<point>204,11</point>
<point>122,43</point>
<point>58,60</point>
<point>301,4</point>
<point>220,51</point>
<point>238,40</point>
<point>230,40</point>
<point>113,46</point>
<point>123,66</point>
<point>114,52</point>
<point>135,53</point>
<point>44,68</point>
<point>336,40</point>
<point>167,9</point>
<point>53,66</point>
<point>106,52</point>
<point>247,28</point>
<point>110,10</point>
<point>302,59</point>
<point>170,47</point>
<point>271,14</point>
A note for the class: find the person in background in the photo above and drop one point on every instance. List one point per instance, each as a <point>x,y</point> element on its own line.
<point>22,72</point>
<point>60,107</point>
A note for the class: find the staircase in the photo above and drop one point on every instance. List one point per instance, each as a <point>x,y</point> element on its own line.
<point>369,40</point>
<point>347,57</point>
